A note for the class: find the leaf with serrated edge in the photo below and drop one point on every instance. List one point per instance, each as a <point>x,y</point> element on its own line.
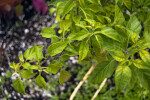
<point>122,77</point>
<point>56,48</point>
<point>40,81</point>
<point>111,33</point>
<point>48,32</point>
<point>26,74</point>
<point>18,86</point>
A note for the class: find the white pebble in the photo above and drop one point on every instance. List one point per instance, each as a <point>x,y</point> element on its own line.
<point>26,31</point>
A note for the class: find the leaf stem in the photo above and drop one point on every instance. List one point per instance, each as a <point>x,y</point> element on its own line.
<point>99,89</point>
<point>81,82</point>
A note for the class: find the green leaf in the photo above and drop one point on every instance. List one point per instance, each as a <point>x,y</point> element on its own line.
<point>99,40</point>
<point>26,74</point>
<point>21,58</point>
<point>71,49</point>
<point>115,46</point>
<point>134,24</point>
<point>38,53</point>
<point>102,70</point>
<point>40,81</point>
<point>54,2</point>
<point>18,86</point>
<point>12,65</point>
<point>65,24</point>
<point>77,19</point>
<point>56,48</point>
<point>48,32</point>
<point>79,35</point>
<point>53,67</point>
<point>83,50</point>
<point>29,53</point>
<point>59,10</point>
<point>119,18</point>
<point>68,7</point>
<point>122,77</point>
<point>142,77</point>
<point>27,65</point>
<point>91,22</point>
<point>145,56</point>
<point>96,41</point>
<point>111,33</point>
<point>140,64</point>
<point>64,76</point>
<point>117,55</point>
<point>127,3</point>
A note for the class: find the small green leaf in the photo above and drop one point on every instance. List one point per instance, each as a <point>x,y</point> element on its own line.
<point>40,81</point>
<point>140,64</point>
<point>68,7</point>
<point>79,35</point>
<point>27,65</point>
<point>72,50</point>
<point>83,50</point>
<point>18,86</point>
<point>99,40</point>
<point>119,18</point>
<point>56,48</point>
<point>16,67</point>
<point>12,65</point>
<point>111,33</point>
<point>53,67</point>
<point>127,3</point>
<point>21,58</point>
<point>134,24</point>
<point>77,19</point>
<point>48,32</point>
<point>64,76</point>
<point>117,55</point>
<point>122,77</point>
<point>91,21</point>
<point>65,24</point>
<point>29,53</point>
<point>38,53</point>
<point>26,74</point>
<point>145,56</point>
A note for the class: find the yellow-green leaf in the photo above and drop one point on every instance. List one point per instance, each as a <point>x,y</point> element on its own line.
<point>122,77</point>
<point>127,3</point>
<point>83,50</point>
<point>56,48</point>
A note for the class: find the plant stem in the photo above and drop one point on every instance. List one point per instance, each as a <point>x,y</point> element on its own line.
<point>81,82</point>
<point>99,89</point>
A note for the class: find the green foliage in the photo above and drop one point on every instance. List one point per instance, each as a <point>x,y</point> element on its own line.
<point>64,76</point>
<point>122,77</point>
<point>119,28</point>
<point>40,81</point>
<point>18,86</point>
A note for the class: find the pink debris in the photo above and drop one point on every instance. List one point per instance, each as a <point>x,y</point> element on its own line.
<point>40,6</point>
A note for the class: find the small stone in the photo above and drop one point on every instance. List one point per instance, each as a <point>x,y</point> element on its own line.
<point>26,31</point>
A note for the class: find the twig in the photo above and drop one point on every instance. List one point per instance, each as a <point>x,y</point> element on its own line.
<point>81,82</point>
<point>99,89</point>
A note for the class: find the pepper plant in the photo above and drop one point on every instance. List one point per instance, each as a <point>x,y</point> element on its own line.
<point>111,35</point>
